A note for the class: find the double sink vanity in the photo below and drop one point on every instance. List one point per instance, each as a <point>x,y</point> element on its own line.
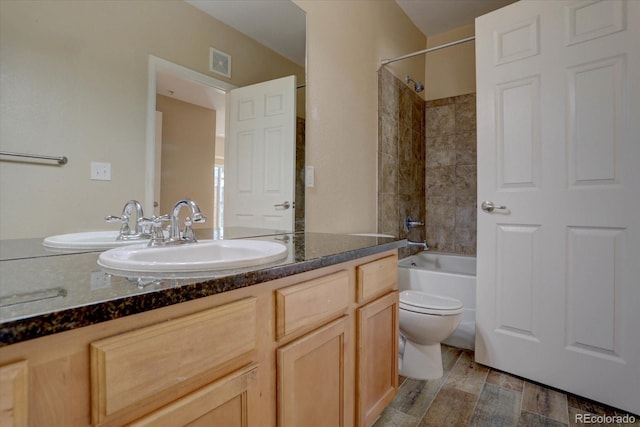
<point>304,336</point>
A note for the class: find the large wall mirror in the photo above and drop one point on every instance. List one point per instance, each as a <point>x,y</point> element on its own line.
<point>75,82</point>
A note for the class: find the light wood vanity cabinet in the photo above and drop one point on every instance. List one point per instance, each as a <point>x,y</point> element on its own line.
<point>315,371</point>
<point>317,348</point>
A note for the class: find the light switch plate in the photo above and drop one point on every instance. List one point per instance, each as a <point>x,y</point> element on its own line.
<point>309,176</point>
<point>100,171</point>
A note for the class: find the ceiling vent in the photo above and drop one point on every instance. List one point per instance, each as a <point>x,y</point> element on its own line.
<point>220,62</point>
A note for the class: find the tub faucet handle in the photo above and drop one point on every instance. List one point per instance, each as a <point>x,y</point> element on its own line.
<point>410,223</point>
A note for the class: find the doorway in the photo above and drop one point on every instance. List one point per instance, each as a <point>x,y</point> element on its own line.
<point>183,92</point>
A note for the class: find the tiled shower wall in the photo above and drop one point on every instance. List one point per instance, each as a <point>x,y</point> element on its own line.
<point>426,166</point>
<point>451,174</point>
<point>401,157</point>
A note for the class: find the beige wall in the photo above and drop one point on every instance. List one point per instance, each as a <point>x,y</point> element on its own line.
<point>450,71</point>
<point>345,42</point>
<point>74,83</point>
<point>188,152</point>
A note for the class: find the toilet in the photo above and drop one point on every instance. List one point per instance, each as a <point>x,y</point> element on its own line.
<point>425,321</point>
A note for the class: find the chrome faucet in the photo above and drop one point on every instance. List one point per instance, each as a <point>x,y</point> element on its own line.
<point>196,217</point>
<point>140,232</point>
<point>176,236</point>
<point>422,245</point>
<point>408,225</point>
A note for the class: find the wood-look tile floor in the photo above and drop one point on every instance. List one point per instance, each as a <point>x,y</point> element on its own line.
<point>469,394</point>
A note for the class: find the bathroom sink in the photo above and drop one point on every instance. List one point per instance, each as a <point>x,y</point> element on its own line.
<point>204,256</point>
<point>91,240</point>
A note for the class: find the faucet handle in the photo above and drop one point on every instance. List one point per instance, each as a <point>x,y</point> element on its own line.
<point>123,220</point>
<point>113,218</point>
<point>145,225</point>
<point>157,234</point>
<point>157,220</point>
<point>188,233</point>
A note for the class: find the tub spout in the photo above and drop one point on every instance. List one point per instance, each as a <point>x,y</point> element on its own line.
<point>422,245</point>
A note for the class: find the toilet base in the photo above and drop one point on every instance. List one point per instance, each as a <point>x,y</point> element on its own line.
<point>421,362</point>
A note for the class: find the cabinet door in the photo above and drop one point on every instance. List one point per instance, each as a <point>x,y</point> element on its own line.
<point>14,394</point>
<point>377,357</point>
<point>226,402</point>
<point>311,379</point>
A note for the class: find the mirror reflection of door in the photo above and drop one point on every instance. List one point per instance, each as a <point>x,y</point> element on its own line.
<point>260,155</point>
<point>189,150</point>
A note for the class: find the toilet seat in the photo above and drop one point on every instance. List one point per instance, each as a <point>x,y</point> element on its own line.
<point>421,302</point>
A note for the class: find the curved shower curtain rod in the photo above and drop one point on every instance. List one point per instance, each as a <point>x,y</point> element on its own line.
<point>431,49</point>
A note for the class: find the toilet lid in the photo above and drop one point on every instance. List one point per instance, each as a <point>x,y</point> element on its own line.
<point>428,303</point>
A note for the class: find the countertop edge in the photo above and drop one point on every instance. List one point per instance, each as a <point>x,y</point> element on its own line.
<point>37,326</point>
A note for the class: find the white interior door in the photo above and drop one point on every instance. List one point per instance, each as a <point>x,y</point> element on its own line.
<point>558,101</point>
<point>260,155</point>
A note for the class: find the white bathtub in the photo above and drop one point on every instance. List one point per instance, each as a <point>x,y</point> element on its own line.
<point>449,275</point>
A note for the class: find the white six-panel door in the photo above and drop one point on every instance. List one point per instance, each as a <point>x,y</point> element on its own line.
<point>558,102</point>
<point>260,155</point>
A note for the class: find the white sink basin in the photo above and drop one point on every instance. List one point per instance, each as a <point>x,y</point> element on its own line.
<point>91,240</point>
<point>204,256</point>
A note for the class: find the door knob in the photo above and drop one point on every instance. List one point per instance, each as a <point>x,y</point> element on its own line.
<point>284,205</point>
<point>488,206</point>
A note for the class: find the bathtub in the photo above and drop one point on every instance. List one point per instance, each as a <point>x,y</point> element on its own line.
<point>449,275</point>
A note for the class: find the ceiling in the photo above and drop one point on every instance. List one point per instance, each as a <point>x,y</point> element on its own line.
<point>439,16</point>
<point>259,24</point>
<point>430,16</point>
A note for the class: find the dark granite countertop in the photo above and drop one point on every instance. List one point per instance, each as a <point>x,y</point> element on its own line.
<point>46,293</point>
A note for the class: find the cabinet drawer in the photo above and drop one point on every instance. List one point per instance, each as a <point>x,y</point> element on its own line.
<point>309,303</point>
<point>222,403</point>
<point>376,278</point>
<point>158,361</point>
